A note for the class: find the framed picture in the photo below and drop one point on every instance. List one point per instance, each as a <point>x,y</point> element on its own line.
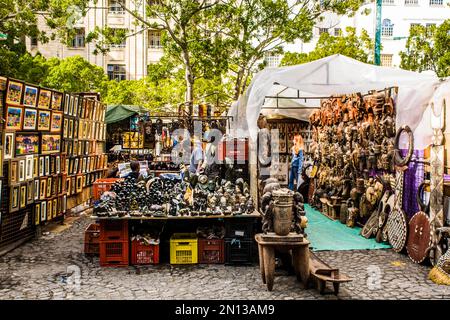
<point>75,130</point>
<point>61,183</point>
<point>66,128</point>
<point>45,98</point>
<point>8,145</point>
<point>132,140</point>
<point>14,93</point>
<point>36,187</point>
<point>30,96</point>
<point>29,162</point>
<point>79,183</point>
<point>49,187</point>
<point>21,170</point>
<point>41,166</point>
<point>75,166</point>
<point>75,107</point>
<point>35,166</point>
<point>52,165</point>
<point>13,172</point>
<point>43,211</point>
<point>37,213</point>
<point>64,204</point>
<point>30,192</point>
<point>73,185</point>
<point>56,123</point>
<point>3,83</point>
<point>27,143</point>
<point>14,198</point>
<point>68,185</point>
<point>57,99</point>
<point>47,165</point>
<point>54,208</point>
<point>50,143</point>
<point>49,210</point>
<point>44,119</point>
<point>58,164</point>
<point>29,119</point>
<point>14,117</point>
<point>42,188</point>
<point>23,196</point>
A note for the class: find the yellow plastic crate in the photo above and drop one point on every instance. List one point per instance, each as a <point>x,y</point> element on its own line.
<point>183,248</point>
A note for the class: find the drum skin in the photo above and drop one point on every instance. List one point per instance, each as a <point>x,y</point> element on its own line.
<point>419,237</point>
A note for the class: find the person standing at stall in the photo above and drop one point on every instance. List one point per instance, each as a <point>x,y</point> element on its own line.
<point>297,161</point>
<point>197,157</point>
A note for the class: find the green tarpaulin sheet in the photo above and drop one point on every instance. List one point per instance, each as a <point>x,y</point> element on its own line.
<point>326,234</point>
<point>115,113</point>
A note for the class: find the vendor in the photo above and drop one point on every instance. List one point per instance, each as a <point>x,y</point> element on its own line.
<point>297,161</point>
<point>197,157</point>
<point>135,171</point>
<point>210,164</point>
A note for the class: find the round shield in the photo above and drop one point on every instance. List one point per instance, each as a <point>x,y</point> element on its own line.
<point>419,237</point>
<point>397,229</point>
<point>371,225</point>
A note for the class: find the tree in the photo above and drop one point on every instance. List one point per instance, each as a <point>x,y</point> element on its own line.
<point>428,48</point>
<point>74,74</point>
<point>350,44</point>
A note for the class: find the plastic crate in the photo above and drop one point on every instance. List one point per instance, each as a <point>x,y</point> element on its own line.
<point>102,185</point>
<point>240,229</point>
<point>239,251</point>
<point>211,250</point>
<point>183,248</point>
<point>114,253</point>
<point>92,239</point>
<point>144,254</point>
<point>113,230</point>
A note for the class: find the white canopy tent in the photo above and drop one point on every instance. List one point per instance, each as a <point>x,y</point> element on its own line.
<point>333,75</point>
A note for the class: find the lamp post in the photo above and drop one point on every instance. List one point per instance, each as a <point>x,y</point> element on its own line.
<point>378,33</point>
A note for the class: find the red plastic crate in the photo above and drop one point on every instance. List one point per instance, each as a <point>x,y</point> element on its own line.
<point>102,185</point>
<point>211,251</point>
<point>92,239</point>
<point>236,149</point>
<point>113,230</point>
<point>144,254</point>
<point>114,253</point>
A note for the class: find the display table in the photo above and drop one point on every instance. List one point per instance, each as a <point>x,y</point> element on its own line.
<point>267,243</point>
<point>253,215</point>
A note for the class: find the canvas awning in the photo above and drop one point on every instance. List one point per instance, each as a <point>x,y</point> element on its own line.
<point>115,113</point>
<point>333,75</point>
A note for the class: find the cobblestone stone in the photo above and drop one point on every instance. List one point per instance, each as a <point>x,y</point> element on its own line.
<point>41,268</point>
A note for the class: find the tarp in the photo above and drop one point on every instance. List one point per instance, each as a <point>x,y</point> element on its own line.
<point>327,234</point>
<point>334,75</point>
<point>115,113</point>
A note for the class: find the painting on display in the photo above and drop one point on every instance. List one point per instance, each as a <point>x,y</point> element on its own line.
<point>9,145</point>
<point>44,118</point>
<point>3,83</point>
<point>45,98</point>
<point>29,119</point>
<point>27,143</point>
<point>50,143</point>
<point>30,97</point>
<point>14,118</point>
<point>57,98</point>
<point>14,94</point>
<point>133,140</point>
<point>56,122</point>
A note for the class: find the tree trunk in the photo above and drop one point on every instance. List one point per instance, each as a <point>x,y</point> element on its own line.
<point>238,84</point>
<point>189,78</point>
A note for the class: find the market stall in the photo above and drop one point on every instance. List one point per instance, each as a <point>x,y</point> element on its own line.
<point>376,140</point>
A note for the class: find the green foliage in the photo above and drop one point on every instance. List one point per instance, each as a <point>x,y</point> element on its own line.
<point>428,47</point>
<point>350,44</point>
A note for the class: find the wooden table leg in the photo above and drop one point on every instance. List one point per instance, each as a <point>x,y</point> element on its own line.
<point>300,256</point>
<point>269,265</point>
<point>261,262</point>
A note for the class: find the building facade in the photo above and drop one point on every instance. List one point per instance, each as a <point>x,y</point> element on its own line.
<point>397,17</point>
<point>128,60</point>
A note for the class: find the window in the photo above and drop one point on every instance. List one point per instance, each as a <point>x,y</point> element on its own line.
<point>123,44</point>
<point>272,61</point>
<point>115,6</point>
<point>387,28</point>
<point>436,3</point>
<point>154,39</point>
<point>117,72</point>
<point>78,39</point>
<point>411,2</point>
<point>34,41</point>
<point>337,32</point>
<point>386,60</point>
<point>323,30</point>
<point>388,2</point>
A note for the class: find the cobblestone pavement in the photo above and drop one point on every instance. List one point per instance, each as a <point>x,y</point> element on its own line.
<point>47,268</point>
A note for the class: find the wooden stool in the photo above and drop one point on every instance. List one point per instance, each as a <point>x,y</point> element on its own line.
<point>267,243</point>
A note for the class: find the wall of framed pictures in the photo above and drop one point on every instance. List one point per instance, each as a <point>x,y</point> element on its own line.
<point>83,139</point>
<point>52,149</point>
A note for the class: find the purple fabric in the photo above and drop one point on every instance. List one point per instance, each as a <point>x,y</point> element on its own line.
<point>414,176</point>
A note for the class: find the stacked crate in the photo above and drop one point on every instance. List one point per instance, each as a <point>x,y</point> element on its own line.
<point>239,242</point>
<point>114,243</point>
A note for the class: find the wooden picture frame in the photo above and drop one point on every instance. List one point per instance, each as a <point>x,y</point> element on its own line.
<point>23,196</point>
<point>30,96</point>
<point>49,209</point>
<point>14,92</point>
<point>30,119</point>
<point>54,208</point>
<point>45,98</point>
<point>21,170</point>
<point>26,144</point>
<point>66,128</point>
<point>14,117</point>
<point>43,211</point>
<point>54,190</point>
<point>48,192</point>
<point>14,198</point>
<point>68,183</point>
<point>56,122</point>
<point>52,165</point>
<point>73,185</point>
<point>30,192</point>
<point>75,107</point>
<point>36,186</point>
<point>76,166</point>
<point>47,165</point>
<point>42,188</point>
<point>37,214</point>
<point>9,145</point>
<point>64,204</point>
<point>41,166</point>
<point>3,83</point>
<point>50,143</point>
<point>44,119</point>
<point>66,103</point>
<point>57,100</point>
<point>35,167</point>
<point>29,167</point>
<point>79,183</point>
<point>58,164</point>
